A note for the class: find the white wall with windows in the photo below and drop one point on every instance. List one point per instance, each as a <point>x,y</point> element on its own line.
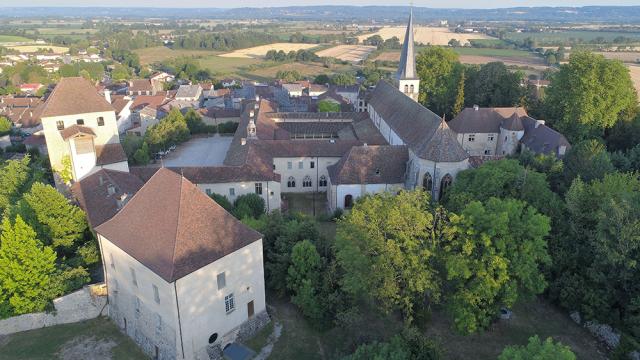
<point>343,196</point>
<point>268,190</point>
<point>303,174</point>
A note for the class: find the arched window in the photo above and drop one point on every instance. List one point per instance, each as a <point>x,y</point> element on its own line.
<point>406,89</point>
<point>444,184</point>
<point>322,181</point>
<point>306,182</point>
<point>427,182</point>
<point>213,338</point>
<point>412,89</point>
<point>291,182</point>
<point>348,201</point>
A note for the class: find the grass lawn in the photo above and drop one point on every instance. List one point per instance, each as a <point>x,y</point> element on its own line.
<point>160,53</point>
<point>13,38</point>
<point>580,36</point>
<point>299,340</point>
<point>259,340</point>
<point>309,70</point>
<point>226,65</point>
<point>505,53</point>
<point>46,343</point>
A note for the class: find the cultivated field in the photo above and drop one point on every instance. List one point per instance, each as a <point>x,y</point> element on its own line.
<point>628,57</point>
<point>635,76</point>
<point>352,53</point>
<point>305,69</point>
<point>13,39</point>
<point>161,53</point>
<point>571,36</point>
<point>257,52</point>
<point>36,48</point>
<point>425,35</point>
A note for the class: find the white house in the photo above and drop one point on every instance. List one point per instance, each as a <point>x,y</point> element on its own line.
<point>184,277</point>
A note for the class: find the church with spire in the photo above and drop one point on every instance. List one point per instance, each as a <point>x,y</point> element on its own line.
<point>406,77</point>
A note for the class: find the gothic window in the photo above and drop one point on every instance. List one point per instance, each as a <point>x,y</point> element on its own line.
<point>348,201</point>
<point>291,182</point>
<point>444,184</point>
<point>406,89</point>
<point>306,182</point>
<point>412,89</point>
<point>427,182</point>
<point>322,181</point>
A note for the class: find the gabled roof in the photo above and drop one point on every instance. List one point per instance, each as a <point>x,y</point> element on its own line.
<point>484,120</point>
<point>74,95</point>
<point>110,154</point>
<point>542,139</point>
<point>92,193</point>
<point>513,123</point>
<point>371,165</point>
<point>416,125</point>
<point>74,130</point>
<point>174,229</point>
<point>407,67</point>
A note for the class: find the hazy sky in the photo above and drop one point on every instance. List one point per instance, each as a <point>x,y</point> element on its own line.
<point>262,3</point>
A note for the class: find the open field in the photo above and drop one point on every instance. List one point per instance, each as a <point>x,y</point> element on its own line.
<point>353,53</point>
<point>299,340</point>
<point>580,36</point>
<point>259,51</point>
<point>161,53</point>
<point>93,339</point>
<point>305,69</point>
<point>635,76</point>
<point>628,57</point>
<point>224,65</point>
<point>425,35</point>
<point>469,55</point>
<point>35,48</point>
<point>13,39</point>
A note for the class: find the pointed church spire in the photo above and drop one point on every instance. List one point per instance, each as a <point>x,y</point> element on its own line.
<point>407,67</point>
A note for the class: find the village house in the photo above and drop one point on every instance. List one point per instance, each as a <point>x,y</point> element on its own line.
<point>184,277</point>
<point>189,93</point>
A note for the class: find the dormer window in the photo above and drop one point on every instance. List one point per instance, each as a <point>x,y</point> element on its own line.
<point>80,121</point>
<point>60,125</point>
<point>100,121</point>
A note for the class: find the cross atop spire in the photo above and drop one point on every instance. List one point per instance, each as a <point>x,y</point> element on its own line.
<point>407,68</point>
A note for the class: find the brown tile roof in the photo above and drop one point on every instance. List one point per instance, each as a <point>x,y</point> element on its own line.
<point>371,165</point>
<point>74,130</point>
<point>142,101</point>
<point>74,95</point>
<point>416,125</point>
<point>174,229</point>
<point>110,154</point>
<point>92,193</point>
<point>119,103</point>
<point>483,120</point>
<point>143,85</point>
<point>216,113</point>
<point>210,174</point>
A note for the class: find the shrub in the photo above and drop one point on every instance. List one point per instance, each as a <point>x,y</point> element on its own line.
<point>222,201</point>
<point>249,205</point>
<point>5,126</point>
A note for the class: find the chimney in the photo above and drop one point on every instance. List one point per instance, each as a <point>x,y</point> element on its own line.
<point>122,200</point>
<point>243,141</point>
<point>539,122</point>
<point>476,107</point>
<point>107,95</point>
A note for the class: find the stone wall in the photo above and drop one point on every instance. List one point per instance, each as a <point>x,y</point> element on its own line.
<point>81,305</point>
<point>604,333</point>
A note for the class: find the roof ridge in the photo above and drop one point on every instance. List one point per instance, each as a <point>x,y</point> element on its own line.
<point>175,243</point>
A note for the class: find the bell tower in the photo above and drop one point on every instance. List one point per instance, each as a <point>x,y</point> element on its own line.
<point>407,78</point>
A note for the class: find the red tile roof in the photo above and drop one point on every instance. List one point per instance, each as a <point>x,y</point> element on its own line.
<point>74,96</point>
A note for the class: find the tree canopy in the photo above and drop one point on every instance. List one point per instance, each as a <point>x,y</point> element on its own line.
<point>440,73</point>
<point>537,349</point>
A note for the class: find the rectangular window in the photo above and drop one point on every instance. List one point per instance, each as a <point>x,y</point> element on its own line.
<point>300,165</point>
<point>221,279</point>
<point>80,121</point>
<point>313,164</point>
<point>490,137</point>
<point>487,152</point>
<point>229,304</point>
<point>232,192</point>
<point>472,137</point>
<point>259,188</point>
<point>289,165</point>
<point>156,294</point>
<point>133,276</point>
<point>60,124</point>
<point>208,191</point>
<point>100,121</point>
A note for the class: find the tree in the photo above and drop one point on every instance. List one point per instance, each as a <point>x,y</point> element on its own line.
<point>595,258</point>
<point>537,349</point>
<point>589,160</point>
<point>249,205</point>
<point>194,122</point>
<point>588,95</point>
<point>171,130</point>
<point>458,105</point>
<point>321,79</point>
<point>410,344</point>
<point>120,73</point>
<point>5,126</point>
<point>14,177</point>
<point>303,279</point>
<point>493,85</point>
<point>440,72</point>
<point>57,222</point>
<point>222,201</point>
<point>27,270</point>
<point>503,179</point>
<point>386,246</point>
<point>288,76</point>
<point>65,171</point>
<point>343,79</point>
<point>494,256</point>
<point>141,156</point>
<point>328,106</point>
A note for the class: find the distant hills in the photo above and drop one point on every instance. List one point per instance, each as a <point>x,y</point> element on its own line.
<point>604,14</point>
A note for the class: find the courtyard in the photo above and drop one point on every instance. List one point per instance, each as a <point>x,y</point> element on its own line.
<point>199,151</point>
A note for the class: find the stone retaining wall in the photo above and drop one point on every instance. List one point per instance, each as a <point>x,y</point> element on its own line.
<point>77,306</point>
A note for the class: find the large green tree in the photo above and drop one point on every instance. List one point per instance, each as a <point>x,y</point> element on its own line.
<point>537,349</point>
<point>588,95</point>
<point>596,268</point>
<point>303,279</point>
<point>440,74</point>
<point>387,247</point>
<point>14,179</point>
<point>493,85</point>
<point>27,270</point>
<point>589,160</point>
<point>494,256</point>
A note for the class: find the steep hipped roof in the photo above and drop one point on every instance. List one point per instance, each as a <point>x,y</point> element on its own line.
<point>416,125</point>
<point>407,67</point>
<point>174,229</point>
<point>74,95</point>
<point>74,130</point>
<point>92,193</point>
<point>542,139</point>
<point>484,120</point>
<point>513,123</point>
<point>384,164</point>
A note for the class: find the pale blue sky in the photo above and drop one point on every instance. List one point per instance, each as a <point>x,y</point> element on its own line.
<point>262,3</point>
